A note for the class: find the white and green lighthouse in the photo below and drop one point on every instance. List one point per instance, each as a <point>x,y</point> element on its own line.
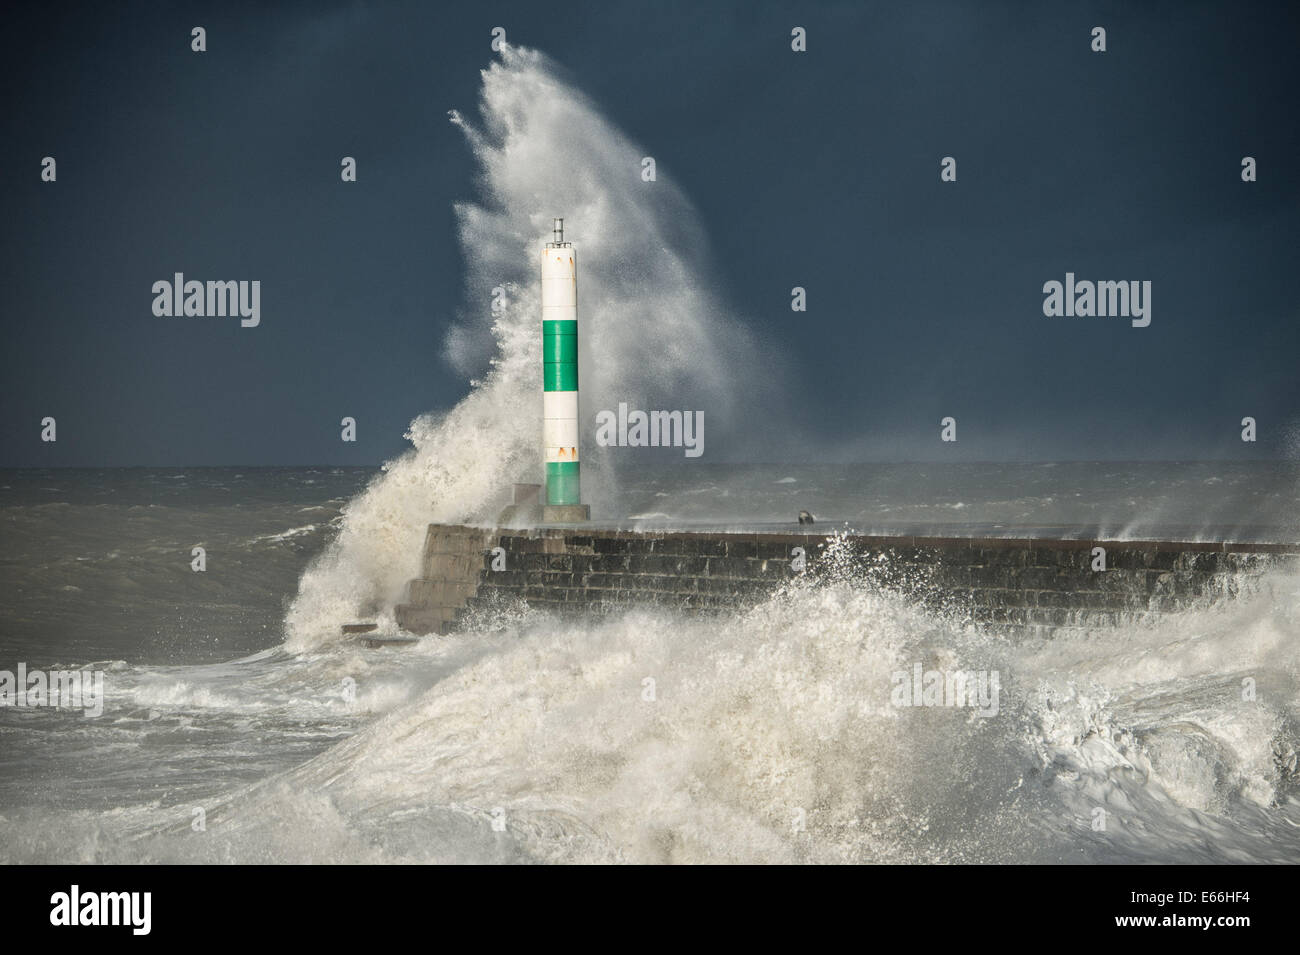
<point>563,502</point>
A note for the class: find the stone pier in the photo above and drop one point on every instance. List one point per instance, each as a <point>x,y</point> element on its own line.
<point>1023,585</point>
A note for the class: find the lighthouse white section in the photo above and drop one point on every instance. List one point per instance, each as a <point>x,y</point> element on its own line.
<point>559,285</point>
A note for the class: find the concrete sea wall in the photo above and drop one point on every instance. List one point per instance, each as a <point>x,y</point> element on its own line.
<point>1025,585</point>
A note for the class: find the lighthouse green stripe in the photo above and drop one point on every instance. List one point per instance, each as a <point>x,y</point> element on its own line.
<point>562,482</point>
<point>559,348</point>
<point>560,376</point>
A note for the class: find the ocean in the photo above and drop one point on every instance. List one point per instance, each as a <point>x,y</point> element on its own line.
<point>228,734</point>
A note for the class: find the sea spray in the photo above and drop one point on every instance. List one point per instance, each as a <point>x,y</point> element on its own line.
<point>654,334</point>
<point>771,737</point>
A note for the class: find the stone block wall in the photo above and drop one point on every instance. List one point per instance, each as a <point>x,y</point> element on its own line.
<point>1028,586</point>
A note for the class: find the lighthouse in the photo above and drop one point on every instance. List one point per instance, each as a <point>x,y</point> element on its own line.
<point>560,381</point>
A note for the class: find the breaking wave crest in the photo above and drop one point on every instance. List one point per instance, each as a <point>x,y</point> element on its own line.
<point>652,332</point>
<point>773,735</point>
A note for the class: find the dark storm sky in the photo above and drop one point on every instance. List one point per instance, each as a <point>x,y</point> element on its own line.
<point>818,169</point>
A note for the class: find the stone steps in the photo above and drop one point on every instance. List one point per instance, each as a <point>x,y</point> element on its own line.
<point>455,557</point>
